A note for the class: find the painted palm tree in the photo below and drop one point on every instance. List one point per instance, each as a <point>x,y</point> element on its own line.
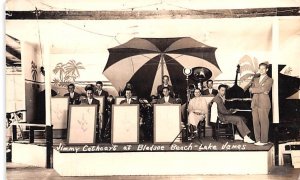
<point>72,69</point>
<point>60,68</point>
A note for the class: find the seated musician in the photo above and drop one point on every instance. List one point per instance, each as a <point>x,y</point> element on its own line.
<point>166,99</point>
<point>90,100</point>
<point>197,109</point>
<point>128,86</point>
<point>129,99</point>
<point>73,96</point>
<point>226,116</point>
<point>165,80</point>
<point>210,91</point>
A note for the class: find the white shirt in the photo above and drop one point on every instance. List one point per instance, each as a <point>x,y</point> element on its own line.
<point>128,101</point>
<point>167,99</point>
<point>72,94</point>
<point>99,92</point>
<point>210,91</point>
<point>90,101</point>
<point>261,78</point>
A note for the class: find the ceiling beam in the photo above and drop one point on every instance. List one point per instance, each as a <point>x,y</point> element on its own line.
<point>159,14</point>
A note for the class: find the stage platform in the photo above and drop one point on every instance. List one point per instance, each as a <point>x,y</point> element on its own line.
<point>188,158</point>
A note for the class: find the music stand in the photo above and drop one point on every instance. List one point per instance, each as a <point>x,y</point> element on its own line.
<point>187,72</point>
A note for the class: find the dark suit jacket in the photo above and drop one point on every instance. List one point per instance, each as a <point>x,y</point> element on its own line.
<point>94,101</point>
<point>133,101</point>
<point>160,89</point>
<point>75,99</point>
<point>214,92</point>
<point>260,92</point>
<point>222,110</point>
<point>103,93</point>
<point>162,100</point>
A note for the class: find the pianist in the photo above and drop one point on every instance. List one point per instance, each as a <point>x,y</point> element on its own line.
<point>226,116</point>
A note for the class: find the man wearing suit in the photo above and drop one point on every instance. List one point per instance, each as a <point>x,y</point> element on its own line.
<point>73,96</point>
<point>210,91</point>
<point>165,84</point>
<point>226,115</point>
<point>99,91</point>
<point>128,98</point>
<point>166,99</point>
<point>90,100</point>
<point>261,104</point>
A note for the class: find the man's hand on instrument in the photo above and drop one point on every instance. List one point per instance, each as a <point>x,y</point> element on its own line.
<point>233,110</point>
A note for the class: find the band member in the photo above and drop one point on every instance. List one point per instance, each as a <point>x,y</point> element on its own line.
<point>129,99</point>
<point>99,91</point>
<point>166,99</point>
<point>197,109</point>
<point>128,86</point>
<point>165,80</point>
<point>90,100</point>
<point>210,90</point>
<point>226,115</point>
<point>73,96</point>
<point>261,104</point>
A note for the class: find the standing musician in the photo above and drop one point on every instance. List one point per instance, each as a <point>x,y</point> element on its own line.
<point>166,99</point>
<point>99,91</point>
<point>261,104</point>
<point>165,80</point>
<point>73,96</point>
<point>210,90</point>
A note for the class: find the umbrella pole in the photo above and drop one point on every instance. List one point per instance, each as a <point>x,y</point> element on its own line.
<point>162,67</point>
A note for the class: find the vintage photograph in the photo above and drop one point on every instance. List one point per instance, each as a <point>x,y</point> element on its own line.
<point>152,89</point>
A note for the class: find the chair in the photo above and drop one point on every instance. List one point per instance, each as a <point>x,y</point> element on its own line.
<point>220,128</point>
<point>201,128</point>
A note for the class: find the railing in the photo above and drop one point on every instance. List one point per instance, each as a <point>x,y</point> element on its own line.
<point>49,137</point>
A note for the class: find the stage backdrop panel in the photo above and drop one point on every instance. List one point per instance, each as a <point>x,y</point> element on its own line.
<point>82,124</point>
<point>59,112</point>
<point>125,124</point>
<point>167,120</point>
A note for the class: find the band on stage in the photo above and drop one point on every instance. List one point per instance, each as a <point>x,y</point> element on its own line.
<point>195,108</point>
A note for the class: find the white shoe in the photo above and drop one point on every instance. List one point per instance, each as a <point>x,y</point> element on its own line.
<point>248,140</point>
<point>237,137</point>
<point>260,143</point>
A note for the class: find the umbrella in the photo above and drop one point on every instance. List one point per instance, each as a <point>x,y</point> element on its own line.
<point>143,62</point>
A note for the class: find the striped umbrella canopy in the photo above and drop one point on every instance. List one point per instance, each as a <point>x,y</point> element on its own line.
<point>143,62</point>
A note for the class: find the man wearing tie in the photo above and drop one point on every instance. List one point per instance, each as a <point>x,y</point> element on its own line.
<point>128,98</point>
<point>99,91</point>
<point>261,104</point>
<point>90,100</point>
<point>73,96</point>
<point>166,99</point>
<point>165,80</point>
<point>210,91</point>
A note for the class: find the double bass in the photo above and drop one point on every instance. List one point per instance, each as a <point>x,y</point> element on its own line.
<point>237,98</point>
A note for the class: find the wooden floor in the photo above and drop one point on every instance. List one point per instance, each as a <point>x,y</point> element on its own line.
<point>19,171</point>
